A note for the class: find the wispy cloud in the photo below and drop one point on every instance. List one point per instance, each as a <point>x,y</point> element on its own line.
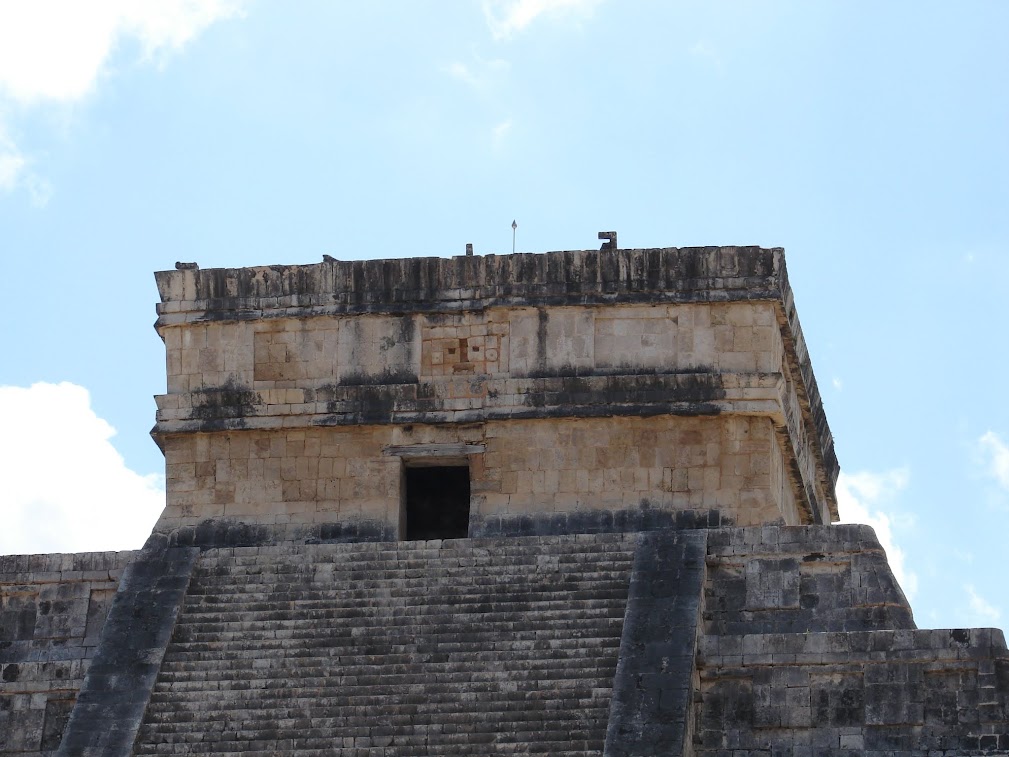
<point>994,453</point>
<point>863,498</point>
<point>12,164</point>
<point>981,607</point>
<point>63,485</point>
<point>56,51</point>
<point>704,50</point>
<point>481,74</point>
<point>505,17</point>
<point>16,171</point>
<point>500,132</point>
<point>837,383</point>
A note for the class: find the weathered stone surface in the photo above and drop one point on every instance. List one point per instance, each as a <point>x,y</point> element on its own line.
<point>634,440</point>
<point>651,712</point>
<point>455,647</point>
<point>52,608</point>
<point>118,684</point>
<point>487,344</point>
<point>795,580</point>
<point>809,648</point>
<point>663,468</point>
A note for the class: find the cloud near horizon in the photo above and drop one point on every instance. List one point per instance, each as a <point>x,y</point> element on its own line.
<point>862,498</point>
<point>63,485</point>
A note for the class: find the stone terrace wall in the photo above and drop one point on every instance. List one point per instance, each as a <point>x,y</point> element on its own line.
<point>52,609</point>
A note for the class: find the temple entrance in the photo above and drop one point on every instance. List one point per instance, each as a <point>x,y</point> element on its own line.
<point>437,502</point>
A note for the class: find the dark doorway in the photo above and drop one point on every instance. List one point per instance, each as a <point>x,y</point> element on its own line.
<point>437,502</point>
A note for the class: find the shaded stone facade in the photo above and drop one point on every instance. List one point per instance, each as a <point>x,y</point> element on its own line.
<point>633,446</point>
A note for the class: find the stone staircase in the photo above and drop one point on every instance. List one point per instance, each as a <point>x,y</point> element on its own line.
<point>457,647</point>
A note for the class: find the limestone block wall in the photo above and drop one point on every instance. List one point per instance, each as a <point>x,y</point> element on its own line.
<point>887,692</point>
<point>282,478</point>
<point>525,469</point>
<point>592,361</point>
<point>52,609</point>
<point>796,580</point>
<point>782,484</point>
<point>521,342</point>
<point>695,333</point>
<point>808,647</point>
<point>615,464</point>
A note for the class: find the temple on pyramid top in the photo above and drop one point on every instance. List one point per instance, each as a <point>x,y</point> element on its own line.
<point>523,394</point>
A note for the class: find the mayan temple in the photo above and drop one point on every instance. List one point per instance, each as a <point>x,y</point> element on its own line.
<point>570,503</point>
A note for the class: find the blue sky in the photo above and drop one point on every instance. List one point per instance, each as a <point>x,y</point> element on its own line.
<point>871,140</point>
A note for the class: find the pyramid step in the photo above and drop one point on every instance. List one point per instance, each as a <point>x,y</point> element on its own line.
<point>418,605</point>
<point>334,715</point>
<point>556,678</point>
<point>236,663</point>
<point>553,614</point>
<point>372,581</point>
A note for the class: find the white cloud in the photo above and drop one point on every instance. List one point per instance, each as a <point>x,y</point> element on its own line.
<point>505,17</point>
<point>63,486</point>
<point>500,132</point>
<point>981,607</point>
<point>55,49</point>
<point>995,457</point>
<point>838,384</point>
<point>861,498</point>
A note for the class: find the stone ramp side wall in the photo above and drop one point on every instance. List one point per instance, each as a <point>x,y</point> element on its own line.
<point>651,710</point>
<point>117,687</point>
<point>52,609</point>
<point>778,579</point>
<point>879,693</point>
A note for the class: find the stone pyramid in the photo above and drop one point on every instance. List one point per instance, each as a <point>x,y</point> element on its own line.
<point>572,503</point>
